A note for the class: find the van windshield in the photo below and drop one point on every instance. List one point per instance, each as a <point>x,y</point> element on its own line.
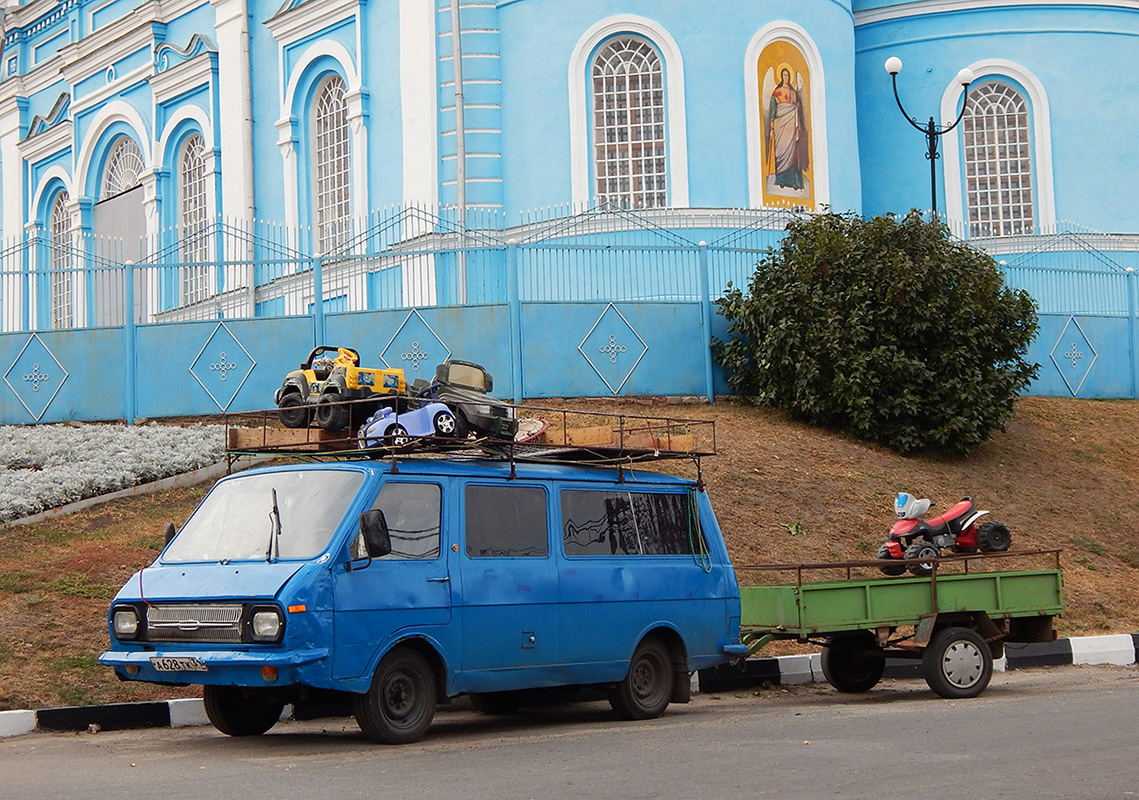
<point>237,522</point>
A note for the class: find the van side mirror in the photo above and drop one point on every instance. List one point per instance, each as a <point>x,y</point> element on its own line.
<point>170,533</point>
<point>375,529</point>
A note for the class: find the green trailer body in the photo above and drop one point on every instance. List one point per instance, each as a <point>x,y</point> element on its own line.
<point>954,620</point>
<point>807,610</point>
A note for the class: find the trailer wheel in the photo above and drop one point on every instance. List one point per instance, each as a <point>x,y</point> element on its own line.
<point>957,663</point>
<point>853,663</point>
<point>645,692</point>
<point>234,713</point>
<point>400,704</point>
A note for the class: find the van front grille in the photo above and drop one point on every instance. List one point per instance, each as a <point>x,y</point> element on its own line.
<point>194,623</point>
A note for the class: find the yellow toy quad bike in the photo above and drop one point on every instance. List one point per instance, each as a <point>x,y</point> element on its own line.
<point>317,391</point>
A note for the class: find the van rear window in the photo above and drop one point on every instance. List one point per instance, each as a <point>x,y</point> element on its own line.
<point>506,522</point>
<point>597,523</point>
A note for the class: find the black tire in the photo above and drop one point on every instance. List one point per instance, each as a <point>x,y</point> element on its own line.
<point>922,550</point>
<point>853,663</point>
<point>399,706</point>
<point>993,537</point>
<point>449,425</point>
<point>396,436</point>
<point>497,703</point>
<point>889,569</point>
<point>235,713</point>
<point>330,414</point>
<point>644,693</point>
<point>293,412</point>
<point>957,663</point>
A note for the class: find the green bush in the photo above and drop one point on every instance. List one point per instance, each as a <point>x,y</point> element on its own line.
<point>884,328</point>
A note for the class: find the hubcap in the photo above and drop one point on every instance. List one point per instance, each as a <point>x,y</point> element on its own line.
<point>962,664</point>
<point>400,697</point>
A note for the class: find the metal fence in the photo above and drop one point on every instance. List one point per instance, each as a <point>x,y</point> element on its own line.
<point>532,291</point>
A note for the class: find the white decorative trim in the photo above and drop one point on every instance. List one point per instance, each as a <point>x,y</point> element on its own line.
<point>305,19</point>
<point>182,78</point>
<point>56,173</point>
<point>581,161</point>
<point>924,7</point>
<point>50,142</point>
<point>110,91</point>
<point>112,112</point>
<point>418,103</point>
<point>785,30</point>
<point>1045,200</point>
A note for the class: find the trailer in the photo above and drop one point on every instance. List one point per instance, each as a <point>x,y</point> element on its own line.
<point>955,621</point>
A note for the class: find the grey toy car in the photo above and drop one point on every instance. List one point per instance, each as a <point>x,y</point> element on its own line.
<point>465,387</point>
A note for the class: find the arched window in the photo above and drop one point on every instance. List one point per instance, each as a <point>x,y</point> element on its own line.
<point>123,170</point>
<point>332,165</point>
<point>998,161</point>
<point>629,154</point>
<point>60,262</point>
<point>192,219</point>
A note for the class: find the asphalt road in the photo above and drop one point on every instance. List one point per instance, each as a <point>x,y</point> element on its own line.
<point>1066,732</point>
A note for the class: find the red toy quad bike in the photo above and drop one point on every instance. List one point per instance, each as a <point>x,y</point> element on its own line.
<point>912,537</point>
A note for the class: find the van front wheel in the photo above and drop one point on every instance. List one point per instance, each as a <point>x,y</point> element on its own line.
<point>234,713</point>
<point>644,693</point>
<point>399,706</point>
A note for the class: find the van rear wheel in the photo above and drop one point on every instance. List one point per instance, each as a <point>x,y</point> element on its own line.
<point>235,713</point>
<point>400,704</point>
<point>645,692</point>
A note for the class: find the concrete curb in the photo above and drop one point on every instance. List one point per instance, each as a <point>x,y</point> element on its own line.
<point>1115,650</point>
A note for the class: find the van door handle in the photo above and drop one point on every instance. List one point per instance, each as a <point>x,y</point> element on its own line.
<point>439,580</point>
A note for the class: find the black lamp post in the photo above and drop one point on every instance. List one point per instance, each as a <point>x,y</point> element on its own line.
<point>931,130</point>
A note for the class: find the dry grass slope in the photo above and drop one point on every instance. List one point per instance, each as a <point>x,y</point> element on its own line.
<point>1063,475</point>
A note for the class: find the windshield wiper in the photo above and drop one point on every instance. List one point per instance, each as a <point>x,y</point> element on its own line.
<point>274,530</point>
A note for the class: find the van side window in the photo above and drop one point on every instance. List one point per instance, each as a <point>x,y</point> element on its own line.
<point>596,523</point>
<point>506,522</point>
<point>412,514</point>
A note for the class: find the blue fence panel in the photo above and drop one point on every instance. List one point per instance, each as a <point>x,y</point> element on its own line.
<point>1082,356</point>
<point>55,376</point>
<point>606,349</point>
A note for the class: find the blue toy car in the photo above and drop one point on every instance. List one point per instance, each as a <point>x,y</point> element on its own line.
<point>386,428</point>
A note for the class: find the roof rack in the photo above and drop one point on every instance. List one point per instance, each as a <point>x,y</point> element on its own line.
<point>548,435</point>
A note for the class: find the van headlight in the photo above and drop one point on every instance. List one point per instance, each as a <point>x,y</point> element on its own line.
<point>266,624</point>
<point>125,622</point>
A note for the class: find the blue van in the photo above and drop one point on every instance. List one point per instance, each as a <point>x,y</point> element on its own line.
<point>388,588</point>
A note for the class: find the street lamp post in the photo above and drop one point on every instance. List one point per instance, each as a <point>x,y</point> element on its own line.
<point>931,130</point>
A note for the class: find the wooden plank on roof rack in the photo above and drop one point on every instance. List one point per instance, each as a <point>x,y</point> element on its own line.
<point>265,437</point>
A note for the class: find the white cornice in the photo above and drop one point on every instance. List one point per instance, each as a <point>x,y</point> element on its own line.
<point>181,78</point>
<point>25,15</point>
<point>307,18</point>
<point>926,7</point>
<point>104,93</point>
<point>51,141</point>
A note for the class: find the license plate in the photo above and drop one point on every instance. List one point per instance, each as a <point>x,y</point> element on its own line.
<point>178,664</point>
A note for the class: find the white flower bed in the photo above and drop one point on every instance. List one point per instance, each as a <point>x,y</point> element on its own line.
<point>45,466</point>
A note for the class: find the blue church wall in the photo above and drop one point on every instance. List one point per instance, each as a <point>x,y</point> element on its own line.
<point>933,47</point>
<point>110,12</point>
<point>199,20</point>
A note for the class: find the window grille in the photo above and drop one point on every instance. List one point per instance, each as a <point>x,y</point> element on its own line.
<point>192,220</point>
<point>998,161</point>
<point>59,245</point>
<point>629,125</point>
<point>124,168</point>
<point>333,165</point>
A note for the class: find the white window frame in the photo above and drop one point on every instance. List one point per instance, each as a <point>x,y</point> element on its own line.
<point>60,262</point>
<point>331,149</point>
<point>1033,90</point>
<point>580,64</point>
<point>638,171</point>
<point>123,169</point>
<point>997,173</point>
<point>193,219</point>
